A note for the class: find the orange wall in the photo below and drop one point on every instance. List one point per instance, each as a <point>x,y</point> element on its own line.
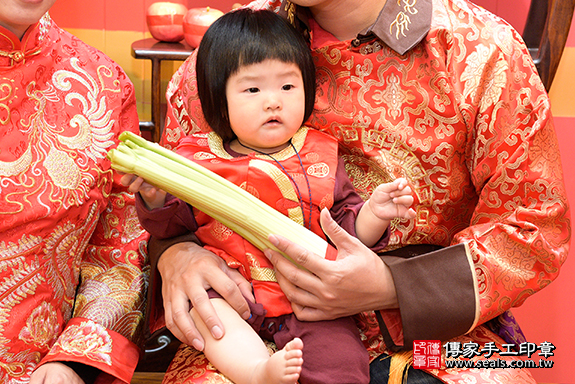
<point>124,15</point>
<point>112,26</point>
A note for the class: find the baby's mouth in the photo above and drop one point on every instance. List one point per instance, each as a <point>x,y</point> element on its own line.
<point>273,121</point>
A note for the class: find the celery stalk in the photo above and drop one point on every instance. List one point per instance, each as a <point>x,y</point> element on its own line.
<point>210,193</point>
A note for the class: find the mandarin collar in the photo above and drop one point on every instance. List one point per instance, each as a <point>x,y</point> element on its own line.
<point>401,24</point>
<point>14,51</point>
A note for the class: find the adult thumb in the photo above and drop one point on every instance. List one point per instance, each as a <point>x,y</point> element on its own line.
<point>340,238</point>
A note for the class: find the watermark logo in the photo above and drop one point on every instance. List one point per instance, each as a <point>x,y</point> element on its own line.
<point>427,354</point>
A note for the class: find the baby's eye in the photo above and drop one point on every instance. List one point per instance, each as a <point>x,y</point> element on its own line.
<point>252,90</point>
<point>287,87</point>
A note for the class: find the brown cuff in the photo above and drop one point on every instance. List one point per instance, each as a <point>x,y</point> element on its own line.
<point>436,292</point>
<point>155,307</point>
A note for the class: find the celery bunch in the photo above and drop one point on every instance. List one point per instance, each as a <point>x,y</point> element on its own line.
<point>219,198</point>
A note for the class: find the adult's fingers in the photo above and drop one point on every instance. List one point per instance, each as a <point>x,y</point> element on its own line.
<point>356,281</point>
<point>295,282</point>
<point>188,271</point>
<point>341,239</point>
<point>316,264</point>
<point>176,266</point>
<point>55,373</point>
<point>246,292</point>
<point>178,321</point>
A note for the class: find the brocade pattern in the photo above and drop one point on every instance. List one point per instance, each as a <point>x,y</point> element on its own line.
<point>72,253</point>
<point>464,117</point>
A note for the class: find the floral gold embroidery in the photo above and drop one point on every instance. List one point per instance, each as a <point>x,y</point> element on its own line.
<point>41,327</point>
<point>58,124</point>
<point>513,268</point>
<point>120,288</point>
<point>62,253</point>
<point>87,339</point>
<point>474,79</point>
<point>131,229</point>
<point>364,174</point>
<point>393,96</point>
<point>94,126</point>
<point>23,274</point>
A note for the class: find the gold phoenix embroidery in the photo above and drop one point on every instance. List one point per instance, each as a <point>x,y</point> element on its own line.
<point>66,179</point>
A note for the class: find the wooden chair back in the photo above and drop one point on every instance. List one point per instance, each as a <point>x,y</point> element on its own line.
<point>545,34</point>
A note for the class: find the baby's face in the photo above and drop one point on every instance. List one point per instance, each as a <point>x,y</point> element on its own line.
<point>266,104</point>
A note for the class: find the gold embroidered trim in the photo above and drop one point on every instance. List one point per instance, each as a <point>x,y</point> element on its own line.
<point>281,179</point>
<point>217,146</point>
<point>283,183</point>
<point>263,274</point>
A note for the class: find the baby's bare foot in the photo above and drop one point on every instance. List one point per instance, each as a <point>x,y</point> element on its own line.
<point>283,367</point>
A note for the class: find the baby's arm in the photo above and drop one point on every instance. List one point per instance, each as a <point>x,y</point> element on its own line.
<point>388,201</point>
<point>152,196</point>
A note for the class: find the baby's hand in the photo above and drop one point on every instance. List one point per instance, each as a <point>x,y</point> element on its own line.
<point>152,196</point>
<point>391,200</point>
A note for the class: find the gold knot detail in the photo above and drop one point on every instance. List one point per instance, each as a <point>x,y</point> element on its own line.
<point>18,56</point>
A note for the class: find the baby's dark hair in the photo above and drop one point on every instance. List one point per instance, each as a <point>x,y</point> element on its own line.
<point>241,38</point>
